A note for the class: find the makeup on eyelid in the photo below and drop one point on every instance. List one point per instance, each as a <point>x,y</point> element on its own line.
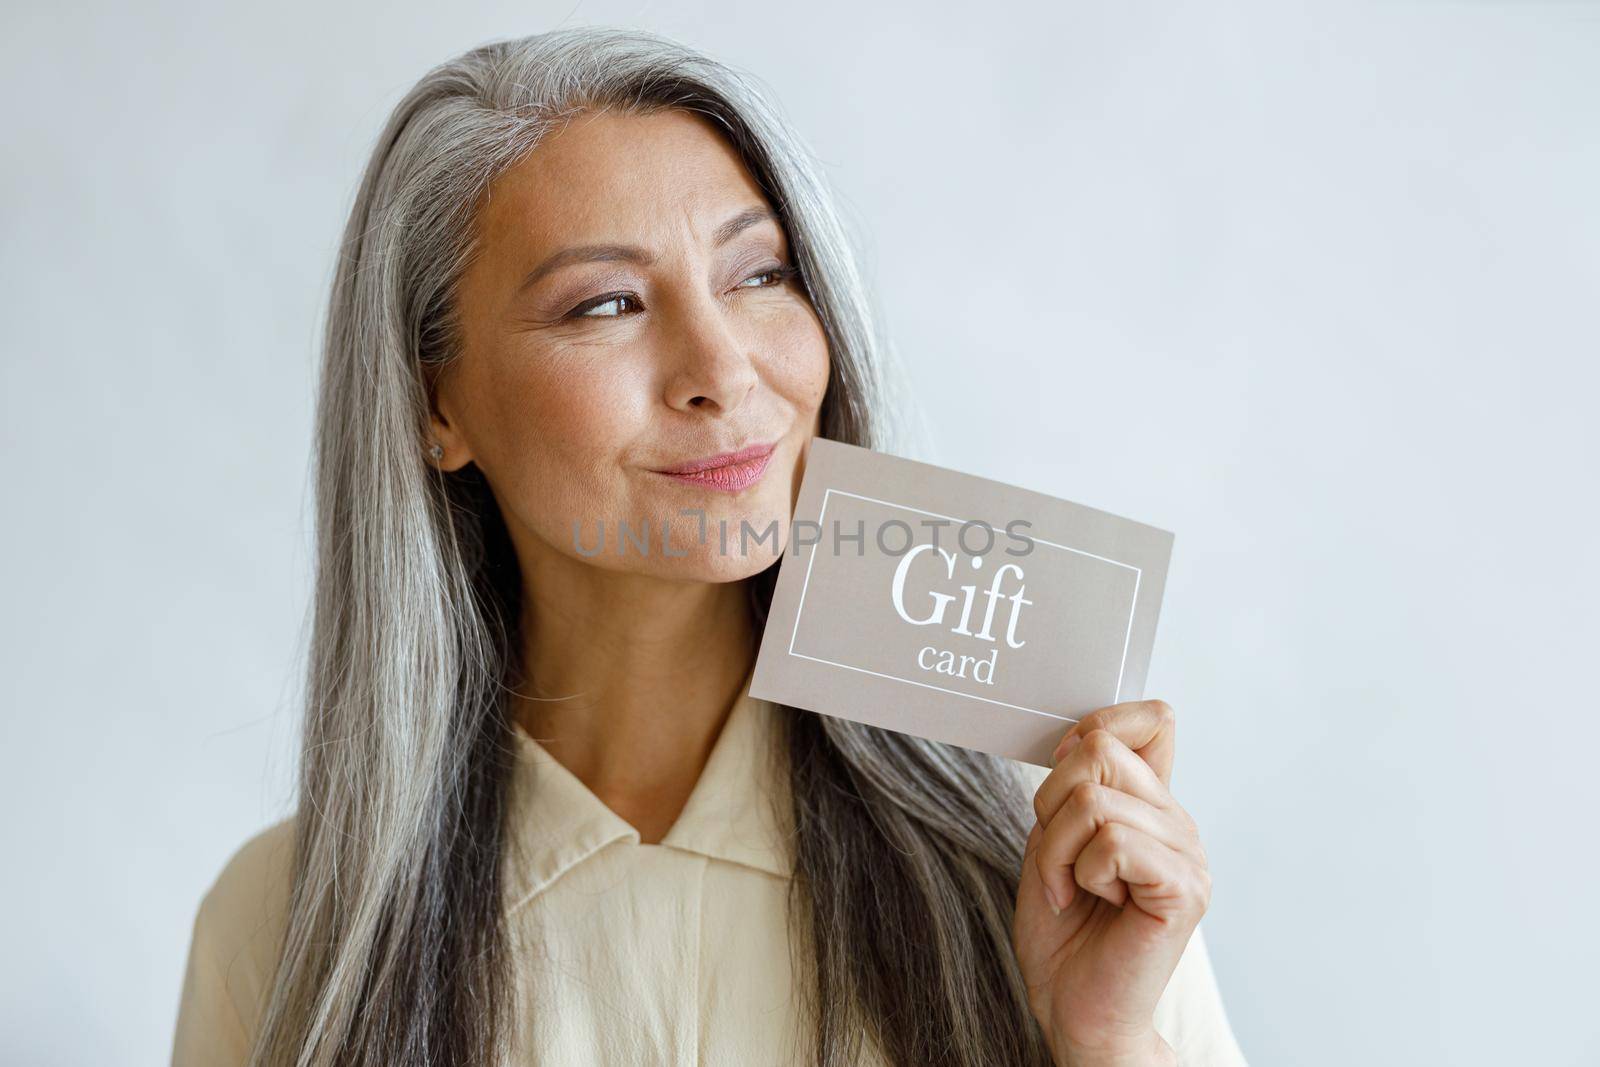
<point>566,306</point>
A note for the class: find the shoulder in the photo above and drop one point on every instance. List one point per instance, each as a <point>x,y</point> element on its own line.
<point>233,949</point>
<point>247,904</point>
<point>1190,1015</point>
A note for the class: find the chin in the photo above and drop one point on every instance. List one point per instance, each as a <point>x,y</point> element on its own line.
<point>709,565</point>
<point>740,538</point>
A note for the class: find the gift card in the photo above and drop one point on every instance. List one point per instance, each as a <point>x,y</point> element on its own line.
<point>954,607</point>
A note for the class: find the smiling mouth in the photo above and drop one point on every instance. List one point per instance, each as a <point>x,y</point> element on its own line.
<point>729,472</point>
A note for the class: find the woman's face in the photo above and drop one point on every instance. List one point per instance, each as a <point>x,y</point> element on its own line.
<point>632,309</point>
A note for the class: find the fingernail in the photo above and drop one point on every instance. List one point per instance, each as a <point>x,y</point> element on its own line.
<point>1050,898</point>
<point>1064,748</point>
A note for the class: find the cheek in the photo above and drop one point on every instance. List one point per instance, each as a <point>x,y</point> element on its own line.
<point>558,431</point>
<point>799,353</point>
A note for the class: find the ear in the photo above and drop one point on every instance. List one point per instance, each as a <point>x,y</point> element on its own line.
<point>443,425</point>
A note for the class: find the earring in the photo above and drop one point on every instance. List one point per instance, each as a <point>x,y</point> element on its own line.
<point>436,451</point>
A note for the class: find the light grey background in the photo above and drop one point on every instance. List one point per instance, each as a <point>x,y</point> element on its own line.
<point>1312,286</point>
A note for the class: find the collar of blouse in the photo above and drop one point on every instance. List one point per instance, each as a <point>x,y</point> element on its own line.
<point>735,812</point>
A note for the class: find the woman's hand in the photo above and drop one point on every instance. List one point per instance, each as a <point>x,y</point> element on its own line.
<point>1123,863</point>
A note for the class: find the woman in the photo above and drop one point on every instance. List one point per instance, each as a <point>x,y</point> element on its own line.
<point>540,818</point>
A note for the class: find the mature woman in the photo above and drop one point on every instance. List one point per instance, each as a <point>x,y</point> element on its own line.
<point>590,279</point>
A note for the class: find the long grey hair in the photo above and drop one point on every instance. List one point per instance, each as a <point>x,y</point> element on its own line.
<point>907,852</point>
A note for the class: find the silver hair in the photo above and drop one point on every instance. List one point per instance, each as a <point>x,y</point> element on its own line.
<point>907,852</point>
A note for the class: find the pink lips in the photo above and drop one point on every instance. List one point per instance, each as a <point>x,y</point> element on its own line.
<point>728,472</point>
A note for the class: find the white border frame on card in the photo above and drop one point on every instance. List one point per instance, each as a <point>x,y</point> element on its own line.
<point>794,632</point>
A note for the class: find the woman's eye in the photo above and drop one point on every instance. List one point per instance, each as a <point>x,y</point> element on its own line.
<point>605,307</point>
<point>776,274</point>
<point>615,305</point>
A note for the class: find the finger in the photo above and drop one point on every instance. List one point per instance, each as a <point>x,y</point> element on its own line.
<point>1035,836</point>
<point>1029,887</point>
<point>1104,760</point>
<point>1145,726</point>
<point>1090,807</point>
<point>1122,865</point>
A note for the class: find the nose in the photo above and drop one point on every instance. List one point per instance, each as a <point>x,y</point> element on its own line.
<point>711,369</point>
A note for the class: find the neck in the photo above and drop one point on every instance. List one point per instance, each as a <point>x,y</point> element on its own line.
<point>630,679</point>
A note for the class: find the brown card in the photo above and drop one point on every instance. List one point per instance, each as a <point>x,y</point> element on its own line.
<point>954,607</point>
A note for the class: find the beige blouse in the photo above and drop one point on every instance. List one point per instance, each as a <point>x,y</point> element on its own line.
<point>627,953</point>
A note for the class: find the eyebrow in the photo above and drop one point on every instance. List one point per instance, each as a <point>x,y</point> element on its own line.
<point>634,254</point>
